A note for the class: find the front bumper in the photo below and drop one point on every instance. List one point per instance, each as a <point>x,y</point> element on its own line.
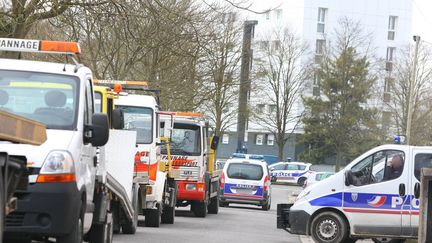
<point>44,210</point>
<point>295,222</point>
<point>191,195</point>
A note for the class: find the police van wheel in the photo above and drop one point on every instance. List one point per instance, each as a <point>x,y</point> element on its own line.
<point>301,181</point>
<point>387,240</point>
<point>329,227</point>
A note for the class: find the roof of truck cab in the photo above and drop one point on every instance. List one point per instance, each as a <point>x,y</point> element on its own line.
<point>137,100</point>
<point>43,67</point>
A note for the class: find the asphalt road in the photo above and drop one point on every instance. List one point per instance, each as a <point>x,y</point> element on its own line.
<point>237,223</point>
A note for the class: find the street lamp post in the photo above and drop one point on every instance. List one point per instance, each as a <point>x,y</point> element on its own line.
<point>412,83</point>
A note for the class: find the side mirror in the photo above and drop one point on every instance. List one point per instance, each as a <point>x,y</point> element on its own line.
<point>417,190</point>
<point>348,178</point>
<point>98,132</point>
<point>215,142</point>
<point>117,118</point>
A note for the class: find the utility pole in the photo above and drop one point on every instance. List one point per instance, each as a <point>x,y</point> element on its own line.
<point>411,86</point>
<point>246,56</point>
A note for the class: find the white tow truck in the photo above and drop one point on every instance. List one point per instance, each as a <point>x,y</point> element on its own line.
<point>69,194</point>
<point>141,114</point>
<point>193,162</point>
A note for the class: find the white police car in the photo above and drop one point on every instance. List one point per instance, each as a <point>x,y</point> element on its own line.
<point>245,181</point>
<point>291,172</point>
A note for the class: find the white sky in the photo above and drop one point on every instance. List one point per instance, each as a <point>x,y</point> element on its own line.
<point>422,20</point>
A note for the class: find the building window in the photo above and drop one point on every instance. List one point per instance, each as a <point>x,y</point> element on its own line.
<point>225,139</point>
<point>260,108</point>
<point>322,14</point>
<point>276,45</point>
<point>259,139</point>
<point>264,45</point>
<point>270,139</point>
<point>392,28</point>
<point>272,109</point>
<point>320,45</point>
<point>390,54</point>
<point>267,15</point>
<point>278,14</point>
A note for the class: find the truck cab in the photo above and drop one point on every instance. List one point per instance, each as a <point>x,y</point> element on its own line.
<point>192,163</point>
<point>58,201</point>
<point>141,114</point>
<point>375,196</point>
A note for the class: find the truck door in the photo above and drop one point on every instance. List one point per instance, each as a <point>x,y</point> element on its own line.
<point>422,159</point>
<point>375,198</point>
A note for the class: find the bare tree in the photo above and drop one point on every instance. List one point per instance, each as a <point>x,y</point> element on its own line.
<point>283,77</point>
<point>220,63</point>
<point>399,93</point>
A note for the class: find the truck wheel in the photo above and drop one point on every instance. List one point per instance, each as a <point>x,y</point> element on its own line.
<point>130,227</point>
<point>152,217</point>
<point>199,209</point>
<point>387,240</point>
<point>329,227</point>
<point>102,233</point>
<point>301,181</point>
<point>2,206</point>
<point>213,207</point>
<point>76,235</point>
<point>168,215</point>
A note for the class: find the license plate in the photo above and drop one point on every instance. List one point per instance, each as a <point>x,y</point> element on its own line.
<point>244,191</point>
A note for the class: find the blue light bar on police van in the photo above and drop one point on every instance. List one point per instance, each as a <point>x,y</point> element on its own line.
<point>238,155</point>
<point>42,46</point>
<point>256,156</point>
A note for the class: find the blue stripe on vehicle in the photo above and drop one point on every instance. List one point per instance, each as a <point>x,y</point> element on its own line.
<point>259,189</point>
<point>333,200</point>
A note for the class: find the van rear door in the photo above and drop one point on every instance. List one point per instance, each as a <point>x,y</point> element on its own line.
<point>372,202</point>
<point>244,179</point>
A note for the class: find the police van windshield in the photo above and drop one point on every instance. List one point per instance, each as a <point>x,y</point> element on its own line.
<point>185,140</point>
<point>47,98</point>
<point>245,171</point>
<point>139,119</point>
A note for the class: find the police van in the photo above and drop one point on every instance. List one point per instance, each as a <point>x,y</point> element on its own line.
<point>245,181</point>
<point>375,196</point>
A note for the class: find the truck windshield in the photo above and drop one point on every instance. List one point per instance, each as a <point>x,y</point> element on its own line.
<point>48,98</point>
<point>185,140</point>
<point>139,119</point>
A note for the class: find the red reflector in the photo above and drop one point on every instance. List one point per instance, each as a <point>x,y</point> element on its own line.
<point>56,178</point>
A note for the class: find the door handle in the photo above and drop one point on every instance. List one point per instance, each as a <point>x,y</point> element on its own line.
<point>401,189</point>
<point>417,190</point>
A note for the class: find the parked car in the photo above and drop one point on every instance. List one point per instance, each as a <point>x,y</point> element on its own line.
<point>245,181</point>
<point>315,177</point>
<point>291,172</point>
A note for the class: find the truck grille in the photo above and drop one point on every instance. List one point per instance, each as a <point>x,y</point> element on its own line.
<point>15,219</point>
<point>187,173</point>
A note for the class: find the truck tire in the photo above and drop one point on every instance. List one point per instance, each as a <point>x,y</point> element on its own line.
<point>199,209</point>
<point>130,227</point>
<point>152,217</point>
<point>168,215</point>
<point>76,234</point>
<point>2,206</point>
<point>329,227</point>
<point>387,240</point>
<point>213,207</point>
<point>102,233</point>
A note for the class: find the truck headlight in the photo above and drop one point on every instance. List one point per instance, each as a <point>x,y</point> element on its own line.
<point>58,162</point>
